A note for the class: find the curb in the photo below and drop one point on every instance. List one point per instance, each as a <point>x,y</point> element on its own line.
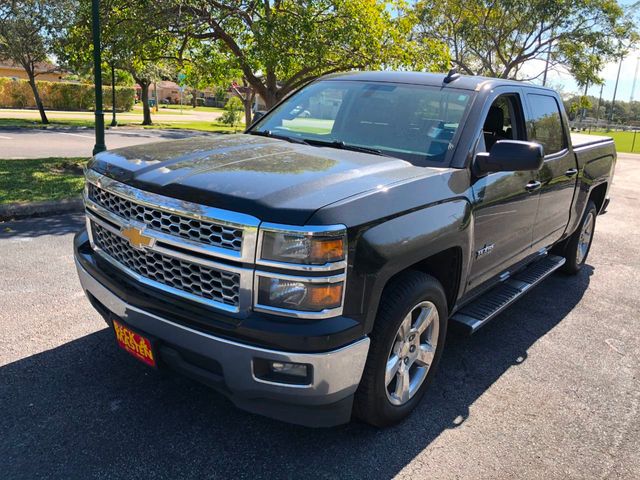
<point>14,211</point>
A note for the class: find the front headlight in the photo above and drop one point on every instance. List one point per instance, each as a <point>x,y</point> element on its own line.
<point>299,294</point>
<point>303,247</point>
<point>288,251</point>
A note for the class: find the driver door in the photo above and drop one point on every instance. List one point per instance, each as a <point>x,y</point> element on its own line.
<point>506,203</point>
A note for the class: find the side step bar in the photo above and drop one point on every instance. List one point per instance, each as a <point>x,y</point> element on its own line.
<point>480,311</point>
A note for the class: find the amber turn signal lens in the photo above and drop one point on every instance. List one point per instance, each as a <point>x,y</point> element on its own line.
<point>325,296</point>
<point>328,250</point>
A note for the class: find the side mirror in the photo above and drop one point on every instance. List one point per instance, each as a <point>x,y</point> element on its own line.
<point>510,156</point>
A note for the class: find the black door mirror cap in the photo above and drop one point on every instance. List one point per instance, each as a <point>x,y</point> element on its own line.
<point>510,156</point>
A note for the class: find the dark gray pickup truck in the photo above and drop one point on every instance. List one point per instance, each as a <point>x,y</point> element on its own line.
<point>309,268</point>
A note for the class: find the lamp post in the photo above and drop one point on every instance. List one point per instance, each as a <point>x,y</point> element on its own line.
<point>97,73</point>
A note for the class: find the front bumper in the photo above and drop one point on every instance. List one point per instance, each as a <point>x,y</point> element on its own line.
<point>325,401</point>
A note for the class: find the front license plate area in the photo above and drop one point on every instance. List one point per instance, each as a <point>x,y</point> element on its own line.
<point>135,344</point>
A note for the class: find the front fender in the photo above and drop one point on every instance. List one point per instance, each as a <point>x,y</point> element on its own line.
<point>401,242</point>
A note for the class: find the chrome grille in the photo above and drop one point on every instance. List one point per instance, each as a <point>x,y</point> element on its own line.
<point>199,231</point>
<point>195,279</point>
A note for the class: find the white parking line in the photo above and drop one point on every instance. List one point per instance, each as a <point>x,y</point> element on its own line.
<point>74,134</point>
<point>5,138</point>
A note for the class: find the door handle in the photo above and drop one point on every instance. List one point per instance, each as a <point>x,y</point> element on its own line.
<point>532,186</point>
<point>571,172</point>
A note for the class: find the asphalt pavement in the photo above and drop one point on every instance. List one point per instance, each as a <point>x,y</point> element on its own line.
<point>77,142</point>
<point>550,389</point>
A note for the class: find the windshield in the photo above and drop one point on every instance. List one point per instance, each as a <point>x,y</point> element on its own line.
<point>414,122</point>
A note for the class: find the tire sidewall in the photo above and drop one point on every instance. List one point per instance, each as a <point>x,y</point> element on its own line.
<point>572,265</point>
<point>395,413</point>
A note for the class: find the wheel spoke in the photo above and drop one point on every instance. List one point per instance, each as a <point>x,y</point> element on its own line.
<point>393,364</point>
<point>405,327</point>
<point>402,385</point>
<point>426,316</point>
<point>425,355</point>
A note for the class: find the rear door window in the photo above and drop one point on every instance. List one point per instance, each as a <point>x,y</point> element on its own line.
<point>545,124</point>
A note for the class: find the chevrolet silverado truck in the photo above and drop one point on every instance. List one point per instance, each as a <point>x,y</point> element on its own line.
<point>309,268</point>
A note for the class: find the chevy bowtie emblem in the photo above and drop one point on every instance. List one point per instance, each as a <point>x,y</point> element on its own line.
<point>137,239</point>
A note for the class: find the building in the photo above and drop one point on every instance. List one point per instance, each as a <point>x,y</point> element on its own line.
<point>46,72</point>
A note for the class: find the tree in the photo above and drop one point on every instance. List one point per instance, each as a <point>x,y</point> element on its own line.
<point>27,28</point>
<point>135,39</point>
<point>232,112</point>
<point>280,45</point>
<point>498,39</point>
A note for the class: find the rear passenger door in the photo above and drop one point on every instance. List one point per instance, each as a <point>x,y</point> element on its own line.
<point>558,173</point>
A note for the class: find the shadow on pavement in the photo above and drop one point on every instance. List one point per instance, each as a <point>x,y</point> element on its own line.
<point>61,224</point>
<point>85,409</point>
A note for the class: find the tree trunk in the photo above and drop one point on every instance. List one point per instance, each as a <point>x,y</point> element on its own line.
<point>146,111</point>
<point>36,95</point>
<point>194,98</point>
<point>248,102</point>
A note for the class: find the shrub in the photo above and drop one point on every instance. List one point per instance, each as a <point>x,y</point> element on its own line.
<point>232,112</point>
<point>60,95</point>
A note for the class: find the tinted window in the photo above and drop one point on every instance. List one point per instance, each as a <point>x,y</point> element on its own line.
<point>545,125</point>
<point>413,122</point>
<point>502,122</point>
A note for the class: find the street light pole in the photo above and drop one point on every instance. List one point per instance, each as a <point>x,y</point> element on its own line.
<point>97,73</point>
<point>615,91</point>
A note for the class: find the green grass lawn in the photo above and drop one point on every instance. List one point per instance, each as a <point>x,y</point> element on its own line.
<point>623,140</point>
<point>216,127</point>
<point>33,180</point>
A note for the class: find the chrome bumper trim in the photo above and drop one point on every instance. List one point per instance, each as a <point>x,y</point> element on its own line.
<point>336,374</point>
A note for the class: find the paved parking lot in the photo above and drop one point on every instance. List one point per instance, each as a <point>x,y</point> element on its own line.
<point>74,142</point>
<point>550,389</point>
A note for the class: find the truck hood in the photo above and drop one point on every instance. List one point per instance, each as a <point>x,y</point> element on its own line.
<point>272,179</point>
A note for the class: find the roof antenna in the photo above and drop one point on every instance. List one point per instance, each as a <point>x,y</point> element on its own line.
<point>452,75</point>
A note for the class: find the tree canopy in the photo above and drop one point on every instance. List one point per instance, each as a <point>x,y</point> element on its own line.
<point>279,45</point>
<point>498,38</point>
<point>28,29</point>
<point>135,39</point>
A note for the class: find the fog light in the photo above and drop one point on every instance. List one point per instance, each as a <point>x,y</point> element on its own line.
<point>295,369</point>
<point>282,372</point>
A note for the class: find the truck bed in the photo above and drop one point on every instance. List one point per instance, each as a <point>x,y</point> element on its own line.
<point>580,140</point>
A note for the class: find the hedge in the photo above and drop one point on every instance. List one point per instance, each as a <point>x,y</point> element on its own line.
<point>61,96</point>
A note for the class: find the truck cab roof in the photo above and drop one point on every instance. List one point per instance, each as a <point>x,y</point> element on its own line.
<point>463,82</point>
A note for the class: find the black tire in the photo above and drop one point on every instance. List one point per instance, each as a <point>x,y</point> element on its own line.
<point>404,293</point>
<point>573,264</point>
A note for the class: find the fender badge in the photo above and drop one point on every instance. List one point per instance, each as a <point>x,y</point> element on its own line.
<point>484,250</point>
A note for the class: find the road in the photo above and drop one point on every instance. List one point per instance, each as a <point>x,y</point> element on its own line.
<point>63,142</point>
<point>548,390</point>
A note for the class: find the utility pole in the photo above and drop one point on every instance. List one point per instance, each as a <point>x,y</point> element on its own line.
<point>97,74</point>
<point>615,91</point>
<point>635,78</point>
<point>546,64</point>
<point>598,107</point>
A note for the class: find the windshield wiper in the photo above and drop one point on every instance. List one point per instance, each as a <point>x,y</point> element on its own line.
<point>347,146</point>
<point>268,133</point>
